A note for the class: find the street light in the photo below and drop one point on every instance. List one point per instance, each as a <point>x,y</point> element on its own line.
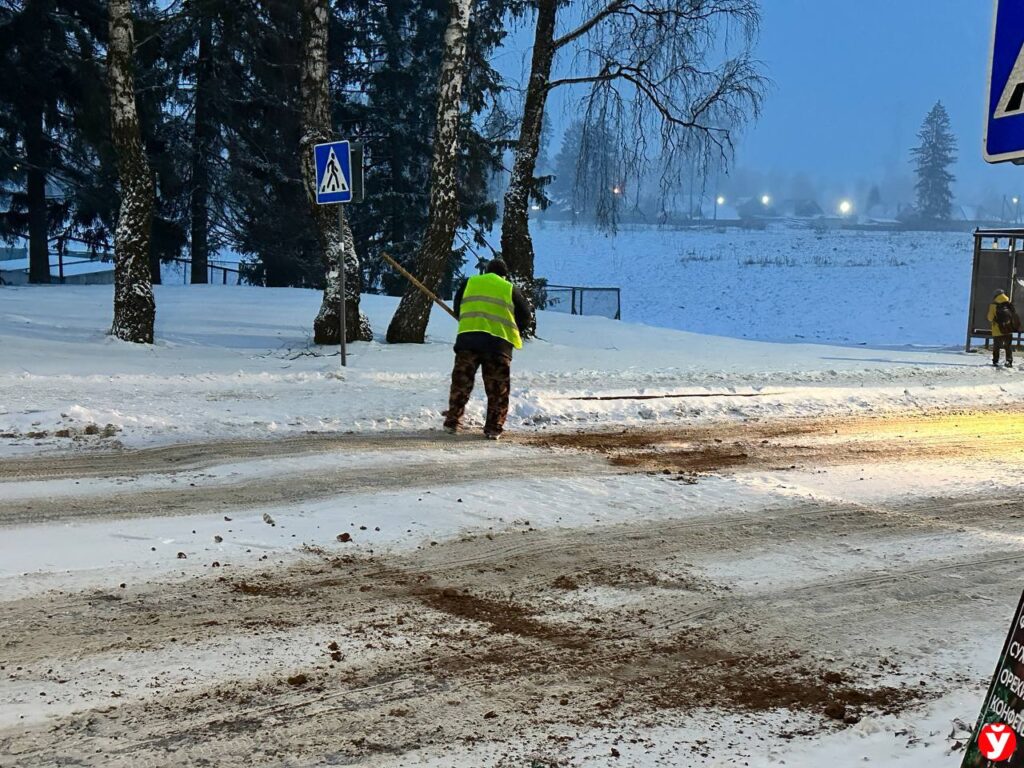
<point>766,200</point>
<point>720,200</point>
<point>845,207</point>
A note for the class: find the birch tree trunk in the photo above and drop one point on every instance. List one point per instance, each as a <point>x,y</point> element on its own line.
<point>516,243</point>
<point>409,325</point>
<point>333,231</point>
<point>134,305</point>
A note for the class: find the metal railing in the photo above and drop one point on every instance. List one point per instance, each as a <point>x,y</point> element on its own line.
<point>225,273</point>
<point>583,300</point>
<point>216,273</point>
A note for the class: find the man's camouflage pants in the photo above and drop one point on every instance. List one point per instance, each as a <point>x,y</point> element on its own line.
<point>497,382</point>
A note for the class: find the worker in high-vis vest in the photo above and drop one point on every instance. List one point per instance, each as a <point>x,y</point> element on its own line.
<point>493,314</point>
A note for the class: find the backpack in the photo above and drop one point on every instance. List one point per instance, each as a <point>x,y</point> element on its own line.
<point>1007,318</point>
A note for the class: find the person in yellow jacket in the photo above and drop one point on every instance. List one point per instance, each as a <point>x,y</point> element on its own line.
<point>1002,337</point>
<point>493,314</point>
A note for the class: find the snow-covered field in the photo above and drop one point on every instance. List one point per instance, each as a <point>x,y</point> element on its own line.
<point>782,284</point>
<point>802,509</point>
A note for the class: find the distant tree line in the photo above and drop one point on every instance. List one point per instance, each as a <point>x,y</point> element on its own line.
<point>164,129</point>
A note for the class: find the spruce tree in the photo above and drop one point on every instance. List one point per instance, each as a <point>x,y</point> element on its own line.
<point>589,168</point>
<point>51,96</point>
<point>932,159</point>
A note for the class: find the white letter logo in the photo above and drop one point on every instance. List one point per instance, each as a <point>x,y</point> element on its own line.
<point>997,742</point>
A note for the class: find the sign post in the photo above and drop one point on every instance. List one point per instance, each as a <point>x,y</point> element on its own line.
<point>339,181</point>
<point>1001,723</point>
<point>1004,121</point>
<point>342,320</point>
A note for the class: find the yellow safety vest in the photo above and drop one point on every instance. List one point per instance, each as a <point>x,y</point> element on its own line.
<point>487,307</point>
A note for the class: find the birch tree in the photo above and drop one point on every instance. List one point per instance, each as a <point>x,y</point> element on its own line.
<point>409,325</point>
<point>663,68</point>
<point>333,230</point>
<point>134,305</point>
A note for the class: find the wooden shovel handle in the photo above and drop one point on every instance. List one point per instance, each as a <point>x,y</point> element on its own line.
<point>412,279</point>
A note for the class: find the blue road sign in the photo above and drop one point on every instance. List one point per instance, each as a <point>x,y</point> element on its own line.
<point>1004,124</point>
<point>333,172</point>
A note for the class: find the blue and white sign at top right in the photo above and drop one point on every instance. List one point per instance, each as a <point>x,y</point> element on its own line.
<point>1004,124</point>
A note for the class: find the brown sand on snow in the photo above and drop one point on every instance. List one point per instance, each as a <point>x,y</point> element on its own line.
<point>512,636</point>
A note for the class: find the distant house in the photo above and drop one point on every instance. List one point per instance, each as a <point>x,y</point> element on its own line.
<point>79,268</point>
<point>708,210</point>
<point>976,215</point>
<point>10,253</point>
<point>801,208</point>
<point>756,208</point>
<point>724,213</point>
<point>880,213</point>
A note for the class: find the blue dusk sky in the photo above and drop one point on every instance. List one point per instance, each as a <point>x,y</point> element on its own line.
<point>851,82</point>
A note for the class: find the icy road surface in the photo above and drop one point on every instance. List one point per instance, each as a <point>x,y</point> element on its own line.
<point>789,592</point>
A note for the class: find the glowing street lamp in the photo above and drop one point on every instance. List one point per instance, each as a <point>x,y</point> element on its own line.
<point>720,200</point>
<point>845,207</point>
<point>616,190</point>
<point>766,200</point>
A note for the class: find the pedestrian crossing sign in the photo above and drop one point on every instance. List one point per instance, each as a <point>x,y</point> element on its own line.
<point>1004,123</point>
<point>333,172</point>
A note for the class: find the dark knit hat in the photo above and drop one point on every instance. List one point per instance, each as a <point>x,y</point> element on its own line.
<point>497,267</point>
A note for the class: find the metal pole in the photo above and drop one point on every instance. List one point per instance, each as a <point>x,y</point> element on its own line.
<point>1013,268</point>
<point>974,279</point>
<point>341,278</point>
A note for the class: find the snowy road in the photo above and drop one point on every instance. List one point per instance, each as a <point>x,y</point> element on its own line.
<point>220,550</point>
<point>685,596</point>
<point>252,475</point>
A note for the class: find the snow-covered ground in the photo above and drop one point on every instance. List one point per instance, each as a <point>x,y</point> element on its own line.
<point>238,362</point>
<point>889,549</point>
<point>781,284</point>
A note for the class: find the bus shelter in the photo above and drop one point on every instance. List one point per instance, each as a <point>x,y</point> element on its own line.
<point>998,263</point>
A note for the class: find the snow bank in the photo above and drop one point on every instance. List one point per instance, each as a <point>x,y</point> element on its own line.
<point>239,362</point>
